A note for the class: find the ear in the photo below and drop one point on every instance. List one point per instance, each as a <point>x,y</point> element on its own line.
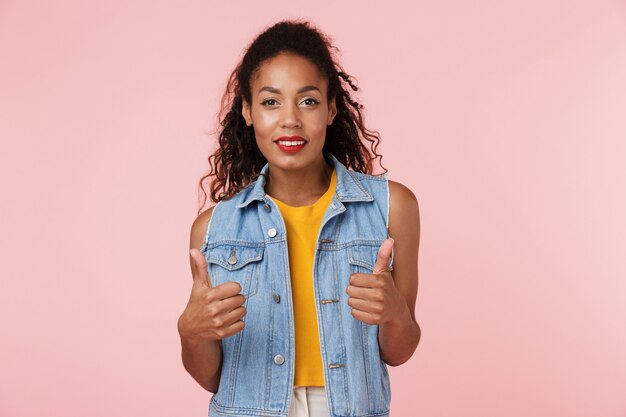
<point>332,111</point>
<point>245,112</point>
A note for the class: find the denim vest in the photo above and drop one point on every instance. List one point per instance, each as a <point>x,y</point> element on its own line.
<point>246,242</point>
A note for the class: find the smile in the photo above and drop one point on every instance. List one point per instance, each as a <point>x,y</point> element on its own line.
<point>291,142</point>
<point>291,145</point>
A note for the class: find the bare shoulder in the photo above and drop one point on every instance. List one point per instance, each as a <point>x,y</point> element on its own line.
<point>400,190</point>
<point>403,207</point>
<point>199,228</point>
<point>198,232</point>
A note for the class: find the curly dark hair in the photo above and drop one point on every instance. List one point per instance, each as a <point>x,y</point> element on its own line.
<point>344,137</point>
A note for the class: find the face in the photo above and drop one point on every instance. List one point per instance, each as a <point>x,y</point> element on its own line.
<point>289,102</point>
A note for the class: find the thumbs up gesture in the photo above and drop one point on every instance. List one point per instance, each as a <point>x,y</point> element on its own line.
<point>212,313</point>
<point>374,297</point>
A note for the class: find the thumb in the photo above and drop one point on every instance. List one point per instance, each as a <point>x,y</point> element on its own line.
<point>199,268</point>
<point>382,259</point>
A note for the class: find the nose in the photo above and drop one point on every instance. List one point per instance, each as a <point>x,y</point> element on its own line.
<point>290,116</point>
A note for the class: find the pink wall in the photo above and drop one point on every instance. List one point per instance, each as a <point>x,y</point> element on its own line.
<point>507,119</point>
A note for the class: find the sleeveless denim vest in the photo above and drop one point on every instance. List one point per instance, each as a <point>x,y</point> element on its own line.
<point>246,242</point>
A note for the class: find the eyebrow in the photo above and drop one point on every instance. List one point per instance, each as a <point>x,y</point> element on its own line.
<point>277,91</point>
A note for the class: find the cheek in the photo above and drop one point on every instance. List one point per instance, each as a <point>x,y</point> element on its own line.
<point>321,135</point>
<point>265,118</point>
<point>262,118</point>
<point>263,127</point>
<point>317,126</point>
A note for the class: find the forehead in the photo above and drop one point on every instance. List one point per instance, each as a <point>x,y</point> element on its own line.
<point>287,71</point>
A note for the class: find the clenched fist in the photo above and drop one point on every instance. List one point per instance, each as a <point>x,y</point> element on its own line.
<point>212,313</point>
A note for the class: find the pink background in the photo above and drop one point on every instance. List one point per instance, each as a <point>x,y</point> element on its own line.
<point>507,120</point>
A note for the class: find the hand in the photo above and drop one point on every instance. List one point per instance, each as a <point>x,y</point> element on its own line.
<point>374,297</point>
<point>212,313</point>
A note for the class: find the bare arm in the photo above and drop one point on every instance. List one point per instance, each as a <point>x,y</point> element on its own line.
<point>201,358</point>
<point>399,337</point>
<point>203,362</point>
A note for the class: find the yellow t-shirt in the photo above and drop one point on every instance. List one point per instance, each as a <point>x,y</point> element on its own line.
<point>303,225</point>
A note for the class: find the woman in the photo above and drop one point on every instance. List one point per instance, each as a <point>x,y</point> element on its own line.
<point>305,271</point>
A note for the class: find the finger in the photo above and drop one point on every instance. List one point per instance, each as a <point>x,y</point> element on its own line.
<point>364,316</point>
<point>200,271</point>
<point>384,254</point>
<point>226,290</point>
<point>366,281</point>
<point>220,309</point>
<point>364,305</point>
<point>232,329</point>
<point>233,316</point>
<point>231,303</point>
<point>364,293</point>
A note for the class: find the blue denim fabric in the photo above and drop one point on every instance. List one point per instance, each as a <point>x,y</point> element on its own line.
<point>246,242</point>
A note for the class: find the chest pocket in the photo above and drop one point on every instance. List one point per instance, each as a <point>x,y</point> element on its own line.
<point>362,257</point>
<point>235,262</point>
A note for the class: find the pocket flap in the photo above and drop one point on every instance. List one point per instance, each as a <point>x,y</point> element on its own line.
<point>233,256</point>
<point>363,255</point>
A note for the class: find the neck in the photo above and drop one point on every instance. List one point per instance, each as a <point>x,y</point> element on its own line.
<point>301,187</point>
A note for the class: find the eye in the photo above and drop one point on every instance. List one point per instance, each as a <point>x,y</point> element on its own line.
<point>267,102</point>
<point>311,100</point>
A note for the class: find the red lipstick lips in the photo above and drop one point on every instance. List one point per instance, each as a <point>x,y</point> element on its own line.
<point>290,144</point>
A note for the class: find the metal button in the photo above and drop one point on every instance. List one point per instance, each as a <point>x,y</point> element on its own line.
<point>267,207</point>
<point>271,232</point>
<point>279,360</point>
<point>233,258</point>
<point>276,297</point>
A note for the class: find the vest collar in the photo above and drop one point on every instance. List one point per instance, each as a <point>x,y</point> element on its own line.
<point>349,187</point>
